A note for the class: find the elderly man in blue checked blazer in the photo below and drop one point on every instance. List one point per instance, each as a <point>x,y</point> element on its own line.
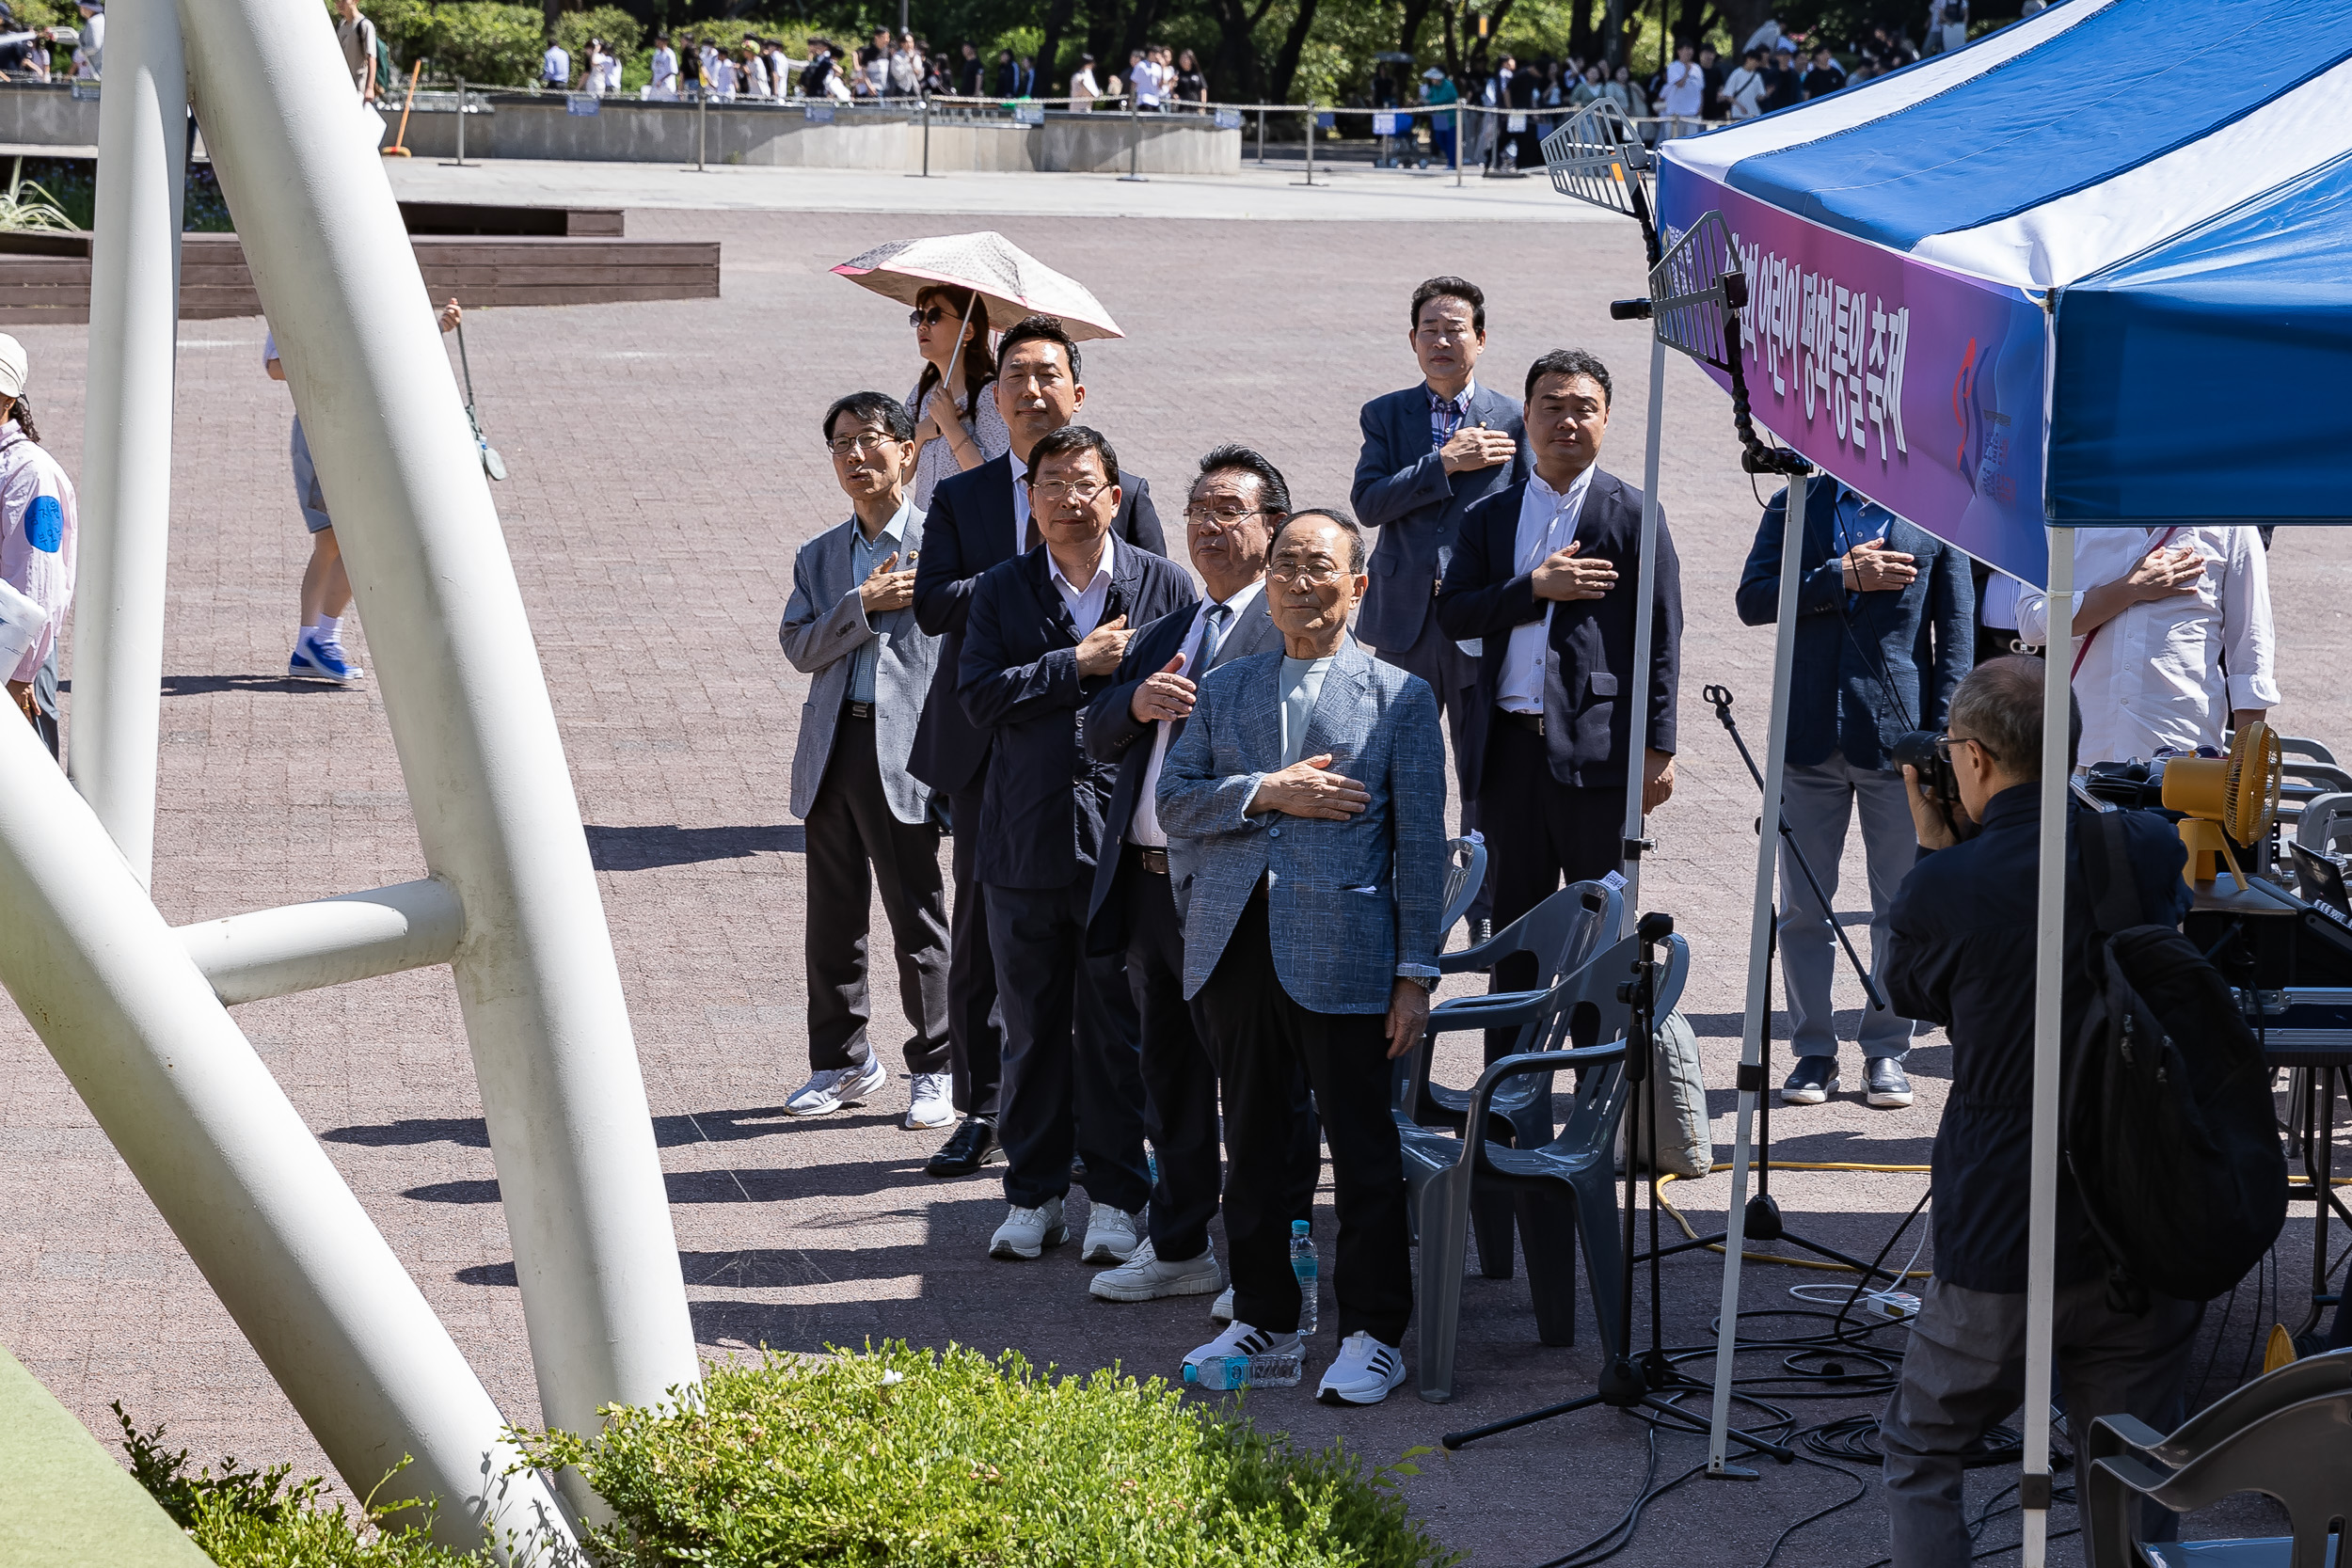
<point>1311,785</point>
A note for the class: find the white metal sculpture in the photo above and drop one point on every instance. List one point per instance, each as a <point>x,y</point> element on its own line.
<point>135,1012</point>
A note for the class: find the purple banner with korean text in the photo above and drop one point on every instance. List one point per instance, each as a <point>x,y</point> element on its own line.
<point>1920,387</point>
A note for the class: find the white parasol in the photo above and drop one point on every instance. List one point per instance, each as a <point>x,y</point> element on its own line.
<point>1014,283</point>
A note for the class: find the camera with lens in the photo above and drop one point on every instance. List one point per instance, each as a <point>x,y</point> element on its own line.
<point>1937,781</point>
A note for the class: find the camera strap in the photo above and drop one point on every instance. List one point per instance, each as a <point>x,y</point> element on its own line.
<point>2092,634</point>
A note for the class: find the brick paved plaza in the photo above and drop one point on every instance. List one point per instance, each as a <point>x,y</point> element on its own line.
<point>665,464</point>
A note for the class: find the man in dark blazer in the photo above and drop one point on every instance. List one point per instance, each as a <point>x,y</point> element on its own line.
<point>1235,505</point>
<point>1431,453</point>
<point>1043,637</point>
<point>977,520</point>
<point>1546,575</point>
<point>1884,633</point>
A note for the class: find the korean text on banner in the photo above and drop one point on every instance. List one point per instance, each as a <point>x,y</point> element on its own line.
<point>1919,387</point>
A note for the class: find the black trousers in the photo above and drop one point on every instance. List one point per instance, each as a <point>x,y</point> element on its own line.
<point>1264,1040</point>
<point>853,843</point>
<point>1453,676</point>
<point>975,1025</point>
<point>1179,1079</point>
<point>1545,835</point>
<point>1072,1080</point>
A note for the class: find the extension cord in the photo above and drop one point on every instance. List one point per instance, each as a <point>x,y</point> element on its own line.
<point>1888,1306</point>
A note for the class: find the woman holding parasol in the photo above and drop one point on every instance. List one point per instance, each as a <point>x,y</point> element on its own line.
<point>960,427</point>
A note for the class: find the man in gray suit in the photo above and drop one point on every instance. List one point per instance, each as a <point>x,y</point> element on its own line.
<point>1430,453</point>
<point>850,624</point>
<point>1310,784</point>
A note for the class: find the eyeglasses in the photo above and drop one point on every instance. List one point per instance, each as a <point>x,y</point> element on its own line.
<point>932,317</point>
<point>1943,744</point>
<point>1315,574</point>
<point>1054,492</point>
<point>1220,519</point>
<point>847,446</point>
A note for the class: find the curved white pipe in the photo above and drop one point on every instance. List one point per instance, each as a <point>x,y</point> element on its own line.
<point>304,946</point>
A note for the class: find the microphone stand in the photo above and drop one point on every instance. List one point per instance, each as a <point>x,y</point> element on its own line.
<point>1628,1383</point>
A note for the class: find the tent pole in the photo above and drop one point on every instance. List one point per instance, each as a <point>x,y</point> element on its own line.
<point>1752,1085</point>
<point>1644,632</point>
<point>2049,986</point>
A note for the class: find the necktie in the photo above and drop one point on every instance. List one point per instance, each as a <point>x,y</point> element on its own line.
<point>1203,657</point>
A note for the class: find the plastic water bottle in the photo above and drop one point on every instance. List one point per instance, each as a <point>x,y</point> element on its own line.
<point>1303,1265</point>
<point>1247,1371</point>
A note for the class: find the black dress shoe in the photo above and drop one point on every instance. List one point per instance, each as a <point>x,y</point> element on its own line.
<point>972,1145</point>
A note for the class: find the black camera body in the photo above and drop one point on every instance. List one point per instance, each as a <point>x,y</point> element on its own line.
<point>1937,781</point>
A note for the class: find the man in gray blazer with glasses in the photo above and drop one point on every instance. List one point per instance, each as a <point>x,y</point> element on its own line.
<point>1311,788</point>
<point>850,626</point>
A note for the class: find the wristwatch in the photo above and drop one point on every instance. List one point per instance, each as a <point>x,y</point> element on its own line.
<point>1421,973</point>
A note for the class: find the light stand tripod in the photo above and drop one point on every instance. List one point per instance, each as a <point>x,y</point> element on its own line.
<point>1625,1383</point>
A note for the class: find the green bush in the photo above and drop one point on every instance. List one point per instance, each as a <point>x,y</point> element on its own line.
<point>487,43</point>
<point>904,1457</point>
<point>622,33</point>
<point>245,1519</point>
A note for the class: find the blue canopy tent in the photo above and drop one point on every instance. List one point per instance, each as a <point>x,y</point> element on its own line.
<point>2093,269</point>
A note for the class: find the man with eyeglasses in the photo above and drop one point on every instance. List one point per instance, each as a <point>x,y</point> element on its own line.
<point>1310,784</point>
<point>1043,637</point>
<point>1430,453</point>
<point>1137,912</point>
<point>977,520</point>
<point>1884,632</point>
<point>850,627</point>
<point>1961,954</point>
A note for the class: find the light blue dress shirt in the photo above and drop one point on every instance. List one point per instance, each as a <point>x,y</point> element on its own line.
<point>865,555</point>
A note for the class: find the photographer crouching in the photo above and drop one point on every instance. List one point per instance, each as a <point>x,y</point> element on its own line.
<point>1961,955</point>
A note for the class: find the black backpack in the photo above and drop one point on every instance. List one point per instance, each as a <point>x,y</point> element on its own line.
<point>2169,1125</point>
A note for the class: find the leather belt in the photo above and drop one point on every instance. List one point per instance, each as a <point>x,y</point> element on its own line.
<point>857,710</point>
<point>1524,720</point>
<point>1153,860</point>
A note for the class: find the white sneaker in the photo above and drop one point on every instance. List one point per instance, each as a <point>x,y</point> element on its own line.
<point>1027,1233</point>
<point>1112,1235</point>
<point>931,1104</point>
<point>1362,1373</point>
<point>1221,1310</point>
<point>829,1090</point>
<point>1242,1339</point>
<point>1144,1277</point>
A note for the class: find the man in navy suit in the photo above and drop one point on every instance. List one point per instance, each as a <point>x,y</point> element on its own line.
<point>1237,506</point>
<point>1884,633</point>
<point>977,520</point>
<point>1430,453</point>
<point>1546,575</point>
<point>1043,636</point>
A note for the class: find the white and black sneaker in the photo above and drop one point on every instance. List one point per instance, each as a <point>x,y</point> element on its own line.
<point>1242,1339</point>
<point>1885,1083</point>
<point>1362,1373</point>
<point>1813,1080</point>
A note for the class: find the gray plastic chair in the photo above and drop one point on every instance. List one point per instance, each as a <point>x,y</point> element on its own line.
<point>1465,874</point>
<point>2286,1434</point>
<point>1564,1193</point>
<point>1560,934</point>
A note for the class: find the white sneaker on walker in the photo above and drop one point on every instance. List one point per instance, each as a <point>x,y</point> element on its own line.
<point>1362,1373</point>
<point>1145,1278</point>
<point>1242,1339</point>
<point>1027,1233</point>
<point>1112,1234</point>
<point>830,1090</point>
<point>931,1102</point>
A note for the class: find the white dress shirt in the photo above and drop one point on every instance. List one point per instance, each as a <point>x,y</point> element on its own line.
<point>1144,827</point>
<point>1086,603</point>
<point>1547,522</point>
<point>2167,671</point>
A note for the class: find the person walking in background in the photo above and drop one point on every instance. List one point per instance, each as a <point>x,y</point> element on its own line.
<point>1711,74</point>
<point>664,83</point>
<point>1781,87</point>
<point>318,651</point>
<point>1084,89</point>
<point>1237,506</point>
<point>977,520</point>
<point>1007,75</point>
<point>961,427</point>
<point>39,541</point>
<point>850,624</point>
<point>1826,77</point>
<point>1436,92</point>
<point>354,33</point>
<point>906,69</point>
<point>1622,91</point>
<point>1885,630</point>
<point>1191,87</point>
<point>1546,576</point>
<point>2173,638</point>
<point>968,70</point>
<point>1685,95</point>
<point>1742,94</point>
<point>1043,637</point>
<point>1430,453</point>
<point>873,62</point>
<point>555,66</point>
<point>1310,784</point>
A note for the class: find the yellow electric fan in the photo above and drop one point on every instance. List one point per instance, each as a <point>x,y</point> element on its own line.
<point>2230,799</point>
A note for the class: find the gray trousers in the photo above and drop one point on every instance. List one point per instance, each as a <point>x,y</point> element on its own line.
<point>1818,801</point>
<point>1965,1372</point>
